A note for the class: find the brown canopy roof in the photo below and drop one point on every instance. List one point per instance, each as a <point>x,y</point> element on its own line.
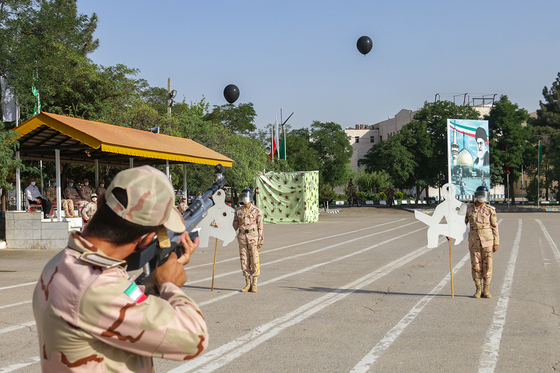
<point>83,141</point>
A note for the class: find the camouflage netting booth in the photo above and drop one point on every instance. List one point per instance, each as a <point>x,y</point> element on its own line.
<point>291,197</point>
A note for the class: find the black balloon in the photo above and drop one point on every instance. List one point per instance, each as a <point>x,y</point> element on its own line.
<point>364,45</point>
<point>231,93</point>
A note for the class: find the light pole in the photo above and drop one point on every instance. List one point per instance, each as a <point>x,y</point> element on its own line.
<point>170,96</point>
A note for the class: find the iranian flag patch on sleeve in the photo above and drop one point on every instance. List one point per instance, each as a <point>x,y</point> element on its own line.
<point>134,293</point>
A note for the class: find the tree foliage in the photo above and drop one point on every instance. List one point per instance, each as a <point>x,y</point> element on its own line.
<point>417,156</point>
<point>546,128</point>
<point>508,141</point>
<point>240,119</point>
<point>334,152</point>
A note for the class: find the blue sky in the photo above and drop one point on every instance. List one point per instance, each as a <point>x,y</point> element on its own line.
<point>301,56</point>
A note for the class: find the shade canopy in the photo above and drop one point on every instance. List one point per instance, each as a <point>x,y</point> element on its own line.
<point>83,141</point>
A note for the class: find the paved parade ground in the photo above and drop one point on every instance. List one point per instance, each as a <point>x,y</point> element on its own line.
<point>358,291</point>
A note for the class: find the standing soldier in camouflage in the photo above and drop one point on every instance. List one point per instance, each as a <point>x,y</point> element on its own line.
<point>67,204</point>
<point>90,315</point>
<point>101,189</point>
<point>85,190</point>
<point>483,240</point>
<point>248,220</point>
<point>90,209</point>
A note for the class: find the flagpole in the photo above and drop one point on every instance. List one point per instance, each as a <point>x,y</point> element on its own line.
<point>539,177</point>
<point>285,144</point>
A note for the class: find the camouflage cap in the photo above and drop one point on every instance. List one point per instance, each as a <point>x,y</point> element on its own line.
<point>150,198</point>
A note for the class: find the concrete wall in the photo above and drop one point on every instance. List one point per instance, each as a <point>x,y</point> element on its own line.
<point>28,230</point>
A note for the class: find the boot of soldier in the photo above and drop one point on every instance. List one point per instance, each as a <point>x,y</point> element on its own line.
<point>247,286</point>
<point>254,288</point>
<point>478,284</point>
<point>486,291</point>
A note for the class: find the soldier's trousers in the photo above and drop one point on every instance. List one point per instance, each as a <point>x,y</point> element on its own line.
<point>481,261</point>
<point>249,255</point>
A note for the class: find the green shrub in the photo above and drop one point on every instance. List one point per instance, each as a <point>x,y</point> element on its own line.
<point>398,195</point>
<point>382,196</point>
<point>326,193</point>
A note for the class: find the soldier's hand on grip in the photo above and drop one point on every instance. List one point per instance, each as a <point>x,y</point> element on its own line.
<point>171,271</point>
<point>189,247</point>
<point>494,248</point>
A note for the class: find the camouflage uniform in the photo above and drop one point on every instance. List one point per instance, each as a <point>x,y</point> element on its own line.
<point>72,193</point>
<point>67,204</point>
<point>483,235</point>
<point>183,206</point>
<point>89,210</point>
<point>92,317</point>
<point>250,235</point>
<point>100,191</point>
<point>85,191</point>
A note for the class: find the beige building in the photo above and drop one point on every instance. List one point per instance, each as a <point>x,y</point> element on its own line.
<point>363,136</point>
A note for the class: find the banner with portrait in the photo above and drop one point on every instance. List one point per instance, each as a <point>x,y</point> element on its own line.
<point>468,155</point>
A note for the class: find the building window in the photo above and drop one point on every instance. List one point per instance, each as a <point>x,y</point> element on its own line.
<point>380,138</point>
<point>357,138</point>
<point>372,139</point>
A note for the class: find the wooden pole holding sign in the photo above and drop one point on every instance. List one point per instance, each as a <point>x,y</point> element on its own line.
<point>214,267</point>
<point>451,268</point>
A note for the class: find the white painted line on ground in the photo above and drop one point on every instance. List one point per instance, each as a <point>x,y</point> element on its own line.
<point>489,357</point>
<point>303,242</point>
<point>21,326</point>
<point>234,349</point>
<point>227,295</point>
<point>13,368</point>
<point>17,286</point>
<point>280,260</point>
<point>15,304</point>
<point>236,272</point>
<point>550,241</point>
<point>395,332</point>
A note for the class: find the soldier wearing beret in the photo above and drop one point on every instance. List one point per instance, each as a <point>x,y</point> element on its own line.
<point>91,316</point>
<point>484,239</point>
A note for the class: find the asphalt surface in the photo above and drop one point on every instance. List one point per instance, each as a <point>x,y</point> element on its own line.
<point>358,291</point>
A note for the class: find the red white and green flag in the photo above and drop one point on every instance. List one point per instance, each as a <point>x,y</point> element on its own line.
<point>134,293</point>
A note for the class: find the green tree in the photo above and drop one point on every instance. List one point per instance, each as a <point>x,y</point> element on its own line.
<point>417,156</point>
<point>392,157</point>
<point>372,181</point>
<point>548,115</point>
<point>240,119</point>
<point>334,152</point>
<point>299,153</point>
<point>426,138</point>
<point>508,142</point>
<point>44,44</point>
<point>546,128</point>
<point>248,154</point>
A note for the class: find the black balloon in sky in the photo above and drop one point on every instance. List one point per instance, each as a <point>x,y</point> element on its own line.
<point>364,45</point>
<point>231,93</point>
